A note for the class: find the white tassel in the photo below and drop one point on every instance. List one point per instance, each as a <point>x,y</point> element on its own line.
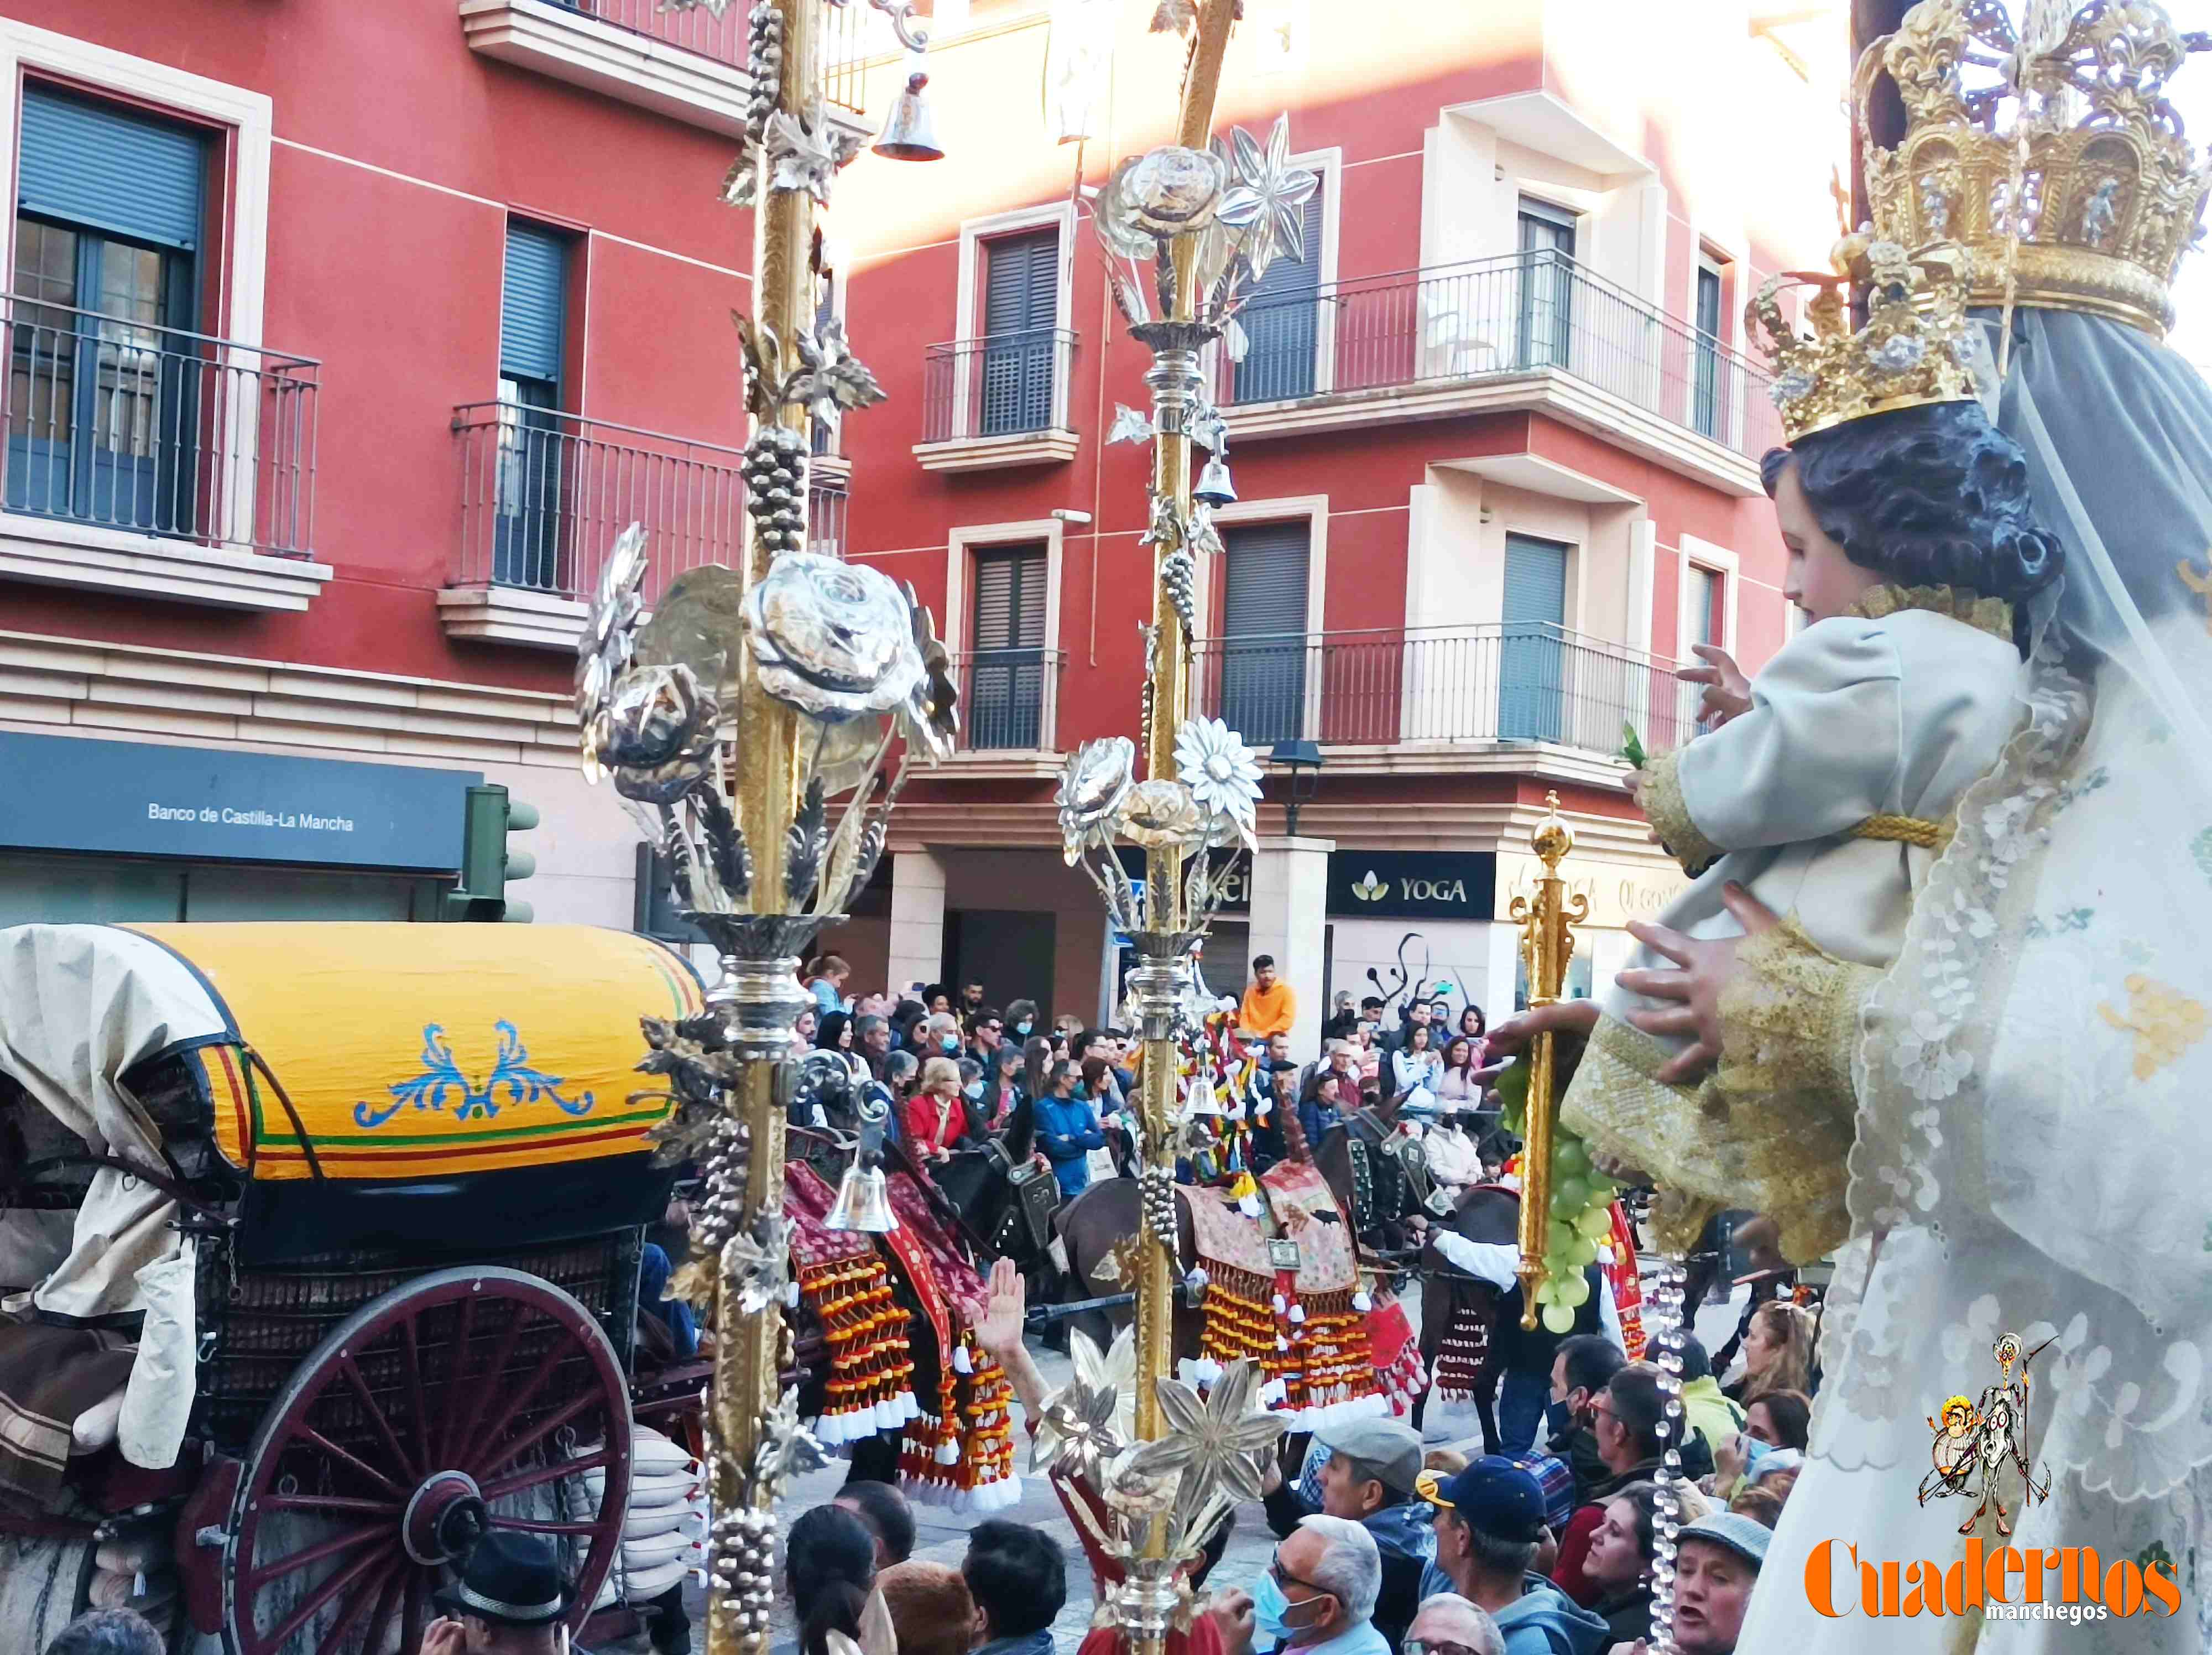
<point>961,1364</point>
<point>1197,1280</point>
<point>1297,1313</point>
<point>1281,1304</point>
<point>1281,1343</point>
<point>1249,1206</point>
<point>948,1453</point>
<point>791,1294</point>
<point>1361,1302</point>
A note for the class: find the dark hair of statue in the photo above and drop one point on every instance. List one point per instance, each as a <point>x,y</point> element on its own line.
<point>1929,496</point>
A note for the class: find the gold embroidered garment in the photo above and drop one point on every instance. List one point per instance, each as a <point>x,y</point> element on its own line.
<point>1889,713</point>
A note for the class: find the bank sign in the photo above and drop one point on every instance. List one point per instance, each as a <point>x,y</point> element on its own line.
<point>1412,885</point>
<point>122,797</point>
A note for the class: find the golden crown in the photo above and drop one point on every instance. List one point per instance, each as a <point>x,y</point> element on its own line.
<point>2093,175</point>
<point>1917,346</point>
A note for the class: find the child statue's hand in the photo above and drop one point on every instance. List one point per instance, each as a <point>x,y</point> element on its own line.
<point>1726,691</point>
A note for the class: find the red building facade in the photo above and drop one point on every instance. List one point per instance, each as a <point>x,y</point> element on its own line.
<point>1494,447</point>
<point>343,339</point>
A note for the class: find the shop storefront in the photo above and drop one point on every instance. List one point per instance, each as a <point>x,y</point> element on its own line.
<point>129,831</point>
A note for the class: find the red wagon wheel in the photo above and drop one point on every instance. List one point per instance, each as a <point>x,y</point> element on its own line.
<point>469,1399</point>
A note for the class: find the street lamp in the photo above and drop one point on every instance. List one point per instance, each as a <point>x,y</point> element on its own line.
<point>1303,759</point>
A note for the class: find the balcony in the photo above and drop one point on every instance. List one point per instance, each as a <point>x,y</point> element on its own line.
<point>1009,713</point>
<point>545,493</point>
<point>1479,686</point>
<point>997,401</point>
<point>1528,331</point>
<point>688,65</point>
<point>152,461</point>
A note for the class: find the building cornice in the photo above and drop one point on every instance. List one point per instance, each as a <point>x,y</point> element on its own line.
<point>126,689</point>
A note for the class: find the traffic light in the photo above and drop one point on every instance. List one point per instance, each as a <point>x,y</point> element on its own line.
<point>489,862</point>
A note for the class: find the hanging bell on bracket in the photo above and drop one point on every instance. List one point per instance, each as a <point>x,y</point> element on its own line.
<point>1214,488</point>
<point>911,132</point>
<point>863,1200</point>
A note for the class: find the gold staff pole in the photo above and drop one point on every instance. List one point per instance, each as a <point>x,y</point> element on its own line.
<point>1546,945</point>
<point>748,1347</point>
<point>1175,374</point>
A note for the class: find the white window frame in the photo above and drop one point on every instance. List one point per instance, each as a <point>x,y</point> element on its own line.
<point>961,546</point>
<point>967,322</point>
<point>1287,508</point>
<point>1695,553</point>
<point>231,574</point>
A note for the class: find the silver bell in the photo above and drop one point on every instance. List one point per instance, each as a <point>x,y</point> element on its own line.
<point>864,1202</point>
<point>911,132</point>
<point>1214,488</point>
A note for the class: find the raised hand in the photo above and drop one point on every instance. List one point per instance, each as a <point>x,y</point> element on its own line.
<point>1726,691</point>
<point>1706,969</point>
<point>1005,1312</point>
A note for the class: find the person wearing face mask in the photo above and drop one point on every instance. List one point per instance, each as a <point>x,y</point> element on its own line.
<point>1022,1021</point>
<point>1369,1476</point>
<point>1068,1130</point>
<point>1318,1595</point>
<point>1580,1367</point>
<point>941,1035</point>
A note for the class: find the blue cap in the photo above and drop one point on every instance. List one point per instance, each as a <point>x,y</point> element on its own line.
<point>1734,1532</point>
<point>1493,1494</point>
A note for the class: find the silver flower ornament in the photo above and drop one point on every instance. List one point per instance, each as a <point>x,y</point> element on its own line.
<point>1076,1437</point>
<point>931,717</point>
<point>1094,781</point>
<point>1211,1445</point>
<point>610,625</point>
<point>1130,425</point>
<point>1159,814</point>
<point>1114,216</point>
<point>756,1264</point>
<point>833,639</point>
<point>1266,201</point>
<point>1222,773</point>
<point>1172,190</point>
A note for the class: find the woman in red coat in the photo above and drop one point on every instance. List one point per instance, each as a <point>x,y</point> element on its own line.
<point>936,1116</point>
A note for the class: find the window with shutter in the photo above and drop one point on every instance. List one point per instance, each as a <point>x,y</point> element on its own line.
<point>1547,283</point>
<point>1706,406</point>
<point>1021,309</point>
<point>1263,629</point>
<point>1006,671</point>
<point>102,410</point>
<point>533,323</point>
<point>1281,321</point>
<point>1532,649</point>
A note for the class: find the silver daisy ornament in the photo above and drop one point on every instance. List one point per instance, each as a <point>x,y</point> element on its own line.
<point>1096,779</point>
<point>1222,773</point>
<point>1213,1444</point>
<point>833,639</point>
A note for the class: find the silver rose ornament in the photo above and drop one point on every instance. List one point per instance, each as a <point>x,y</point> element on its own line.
<point>833,639</point>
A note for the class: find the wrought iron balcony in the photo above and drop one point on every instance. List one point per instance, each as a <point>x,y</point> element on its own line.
<point>696,29</point>
<point>1456,685</point>
<point>544,493</point>
<point>1005,390</point>
<point>1522,313</point>
<point>1008,700</point>
<point>152,430</point>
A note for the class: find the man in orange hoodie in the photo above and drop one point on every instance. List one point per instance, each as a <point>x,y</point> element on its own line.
<point>1269,1005</point>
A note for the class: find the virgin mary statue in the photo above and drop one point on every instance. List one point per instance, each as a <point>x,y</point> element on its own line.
<point>2033,1078</point>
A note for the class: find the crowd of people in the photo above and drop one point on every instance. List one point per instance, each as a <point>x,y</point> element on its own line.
<point>951,1067</point>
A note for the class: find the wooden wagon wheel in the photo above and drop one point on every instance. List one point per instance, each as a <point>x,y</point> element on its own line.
<point>469,1399</point>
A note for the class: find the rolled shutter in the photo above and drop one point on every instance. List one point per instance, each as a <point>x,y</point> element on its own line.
<point>534,304</point>
<point>96,166</point>
<point>1263,625</point>
<point>1282,323</point>
<point>1536,581</point>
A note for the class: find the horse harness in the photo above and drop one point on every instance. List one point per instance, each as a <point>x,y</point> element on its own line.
<point>1385,1163</point>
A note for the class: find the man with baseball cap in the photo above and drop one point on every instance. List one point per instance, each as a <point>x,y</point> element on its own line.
<point>1715,1571</point>
<point>1489,1525</point>
<point>510,1600</point>
<point>1369,1477</point>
